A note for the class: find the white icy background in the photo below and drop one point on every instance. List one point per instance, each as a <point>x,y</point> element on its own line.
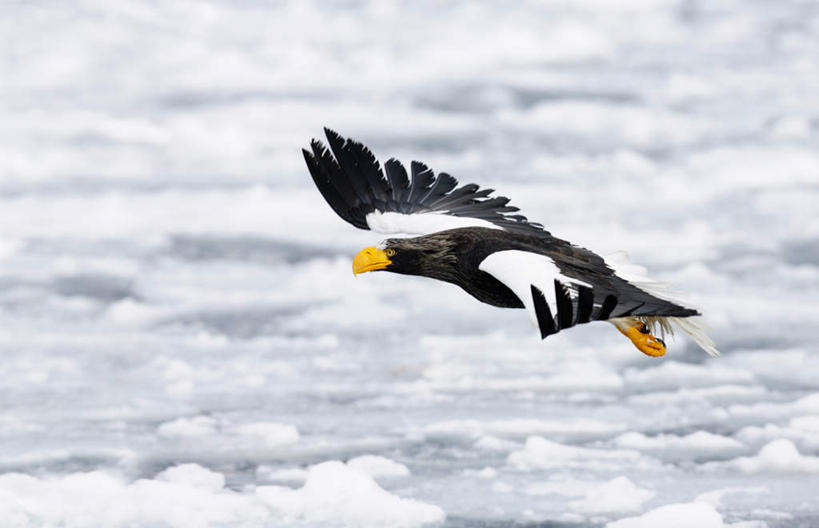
<point>184,344</point>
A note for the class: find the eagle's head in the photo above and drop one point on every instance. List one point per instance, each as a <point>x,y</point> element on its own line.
<point>431,256</point>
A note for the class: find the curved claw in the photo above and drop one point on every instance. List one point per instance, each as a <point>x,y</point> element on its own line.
<point>644,341</point>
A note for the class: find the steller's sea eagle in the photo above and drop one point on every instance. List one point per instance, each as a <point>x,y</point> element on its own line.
<point>472,239</point>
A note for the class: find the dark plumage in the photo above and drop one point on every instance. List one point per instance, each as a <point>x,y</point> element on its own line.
<point>471,239</point>
<point>355,186</point>
<point>454,256</point>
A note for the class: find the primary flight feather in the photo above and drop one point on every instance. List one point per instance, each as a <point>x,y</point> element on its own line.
<point>477,241</point>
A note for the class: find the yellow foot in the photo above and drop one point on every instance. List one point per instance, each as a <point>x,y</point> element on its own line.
<point>644,341</point>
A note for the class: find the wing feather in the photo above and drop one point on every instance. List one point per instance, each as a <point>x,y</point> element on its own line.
<point>559,297</point>
<point>539,283</point>
<point>398,182</point>
<point>327,182</point>
<point>334,174</point>
<point>352,181</point>
<point>422,179</point>
<point>444,183</point>
<point>356,178</point>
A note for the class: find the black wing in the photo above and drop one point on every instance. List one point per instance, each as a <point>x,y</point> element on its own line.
<point>562,285</point>
<point>351,180</point>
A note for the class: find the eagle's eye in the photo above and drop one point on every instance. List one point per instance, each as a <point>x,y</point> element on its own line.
<point>390,252</point>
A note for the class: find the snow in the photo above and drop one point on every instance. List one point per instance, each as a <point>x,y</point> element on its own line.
<point>676,374</point>
<point>270,434</point>
<point>335,491</point>
<point>184,343</point>
<point>187,498</point>
<point>205,428</point>
<point>487,473</point>
<point>576,429</point>
<point>697,444</point>
<point>690,515</point>
<point>778,456</point>
<point>716,497</point>
<point>539,453</point>
<point>193,475</point>
<point>189,495</point>
<point>618,495</point>
<point>378,466</point>
<point>188,428</point>
<point>267,473</point>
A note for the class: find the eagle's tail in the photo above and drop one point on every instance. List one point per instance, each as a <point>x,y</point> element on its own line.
<point>662,325</point>
<point>694,327</point>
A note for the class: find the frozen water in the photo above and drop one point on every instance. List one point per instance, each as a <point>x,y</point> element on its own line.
<point>378,466</point>
<point>183,341</point>
<point>691,515</point>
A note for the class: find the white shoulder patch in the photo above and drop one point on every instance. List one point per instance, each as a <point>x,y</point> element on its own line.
<point>520,270</point>
<point>391,223</point>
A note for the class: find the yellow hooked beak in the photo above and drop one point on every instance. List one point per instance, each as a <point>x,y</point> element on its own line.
<point>370,259</point>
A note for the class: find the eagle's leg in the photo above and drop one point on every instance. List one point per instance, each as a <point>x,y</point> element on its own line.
<point>640,335</point>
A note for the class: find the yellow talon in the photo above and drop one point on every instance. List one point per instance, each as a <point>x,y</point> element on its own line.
<point>643,340</point>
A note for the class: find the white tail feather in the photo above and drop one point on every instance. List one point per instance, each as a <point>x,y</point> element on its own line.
<point>638,276</point>
<point>694,327</point>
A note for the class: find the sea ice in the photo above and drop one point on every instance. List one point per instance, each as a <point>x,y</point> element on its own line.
<point>184,343</point>
<point>689,515</point>
<point>539,453</point>
<point>334,491</point>
<point>778,456</point>
<point>378,466</point>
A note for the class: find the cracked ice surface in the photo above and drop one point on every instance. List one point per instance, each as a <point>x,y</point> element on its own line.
<point>183,342</point>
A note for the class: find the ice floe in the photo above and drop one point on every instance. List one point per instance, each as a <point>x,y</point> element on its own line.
<point>335,491</point>
<point>540,453</point>
<point>778,456</point>
<point>700,443</point>
<point>619,495</point>
<point>688,515</point>
<point>184,343</point>
<point>378,466</point>
<point>189,495</point>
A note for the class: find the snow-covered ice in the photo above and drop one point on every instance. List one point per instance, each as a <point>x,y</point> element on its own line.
<point>336,492</point>
<point>618,495</point>
<point>183,341</point>
<point>691,515</point>
<point>779,456</point>
<point>378,466</point>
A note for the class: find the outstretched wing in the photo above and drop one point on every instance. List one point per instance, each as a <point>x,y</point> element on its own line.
<point>558,295</point>
<point>392,201</point>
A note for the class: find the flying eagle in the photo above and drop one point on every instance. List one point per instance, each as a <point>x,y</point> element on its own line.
<point>474,240</point>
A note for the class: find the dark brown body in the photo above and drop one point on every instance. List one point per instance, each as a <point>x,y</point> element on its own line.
<point>455,256</point>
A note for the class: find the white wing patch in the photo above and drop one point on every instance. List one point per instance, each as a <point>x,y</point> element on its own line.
<point>520,270</point>
<point>390,223</point>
